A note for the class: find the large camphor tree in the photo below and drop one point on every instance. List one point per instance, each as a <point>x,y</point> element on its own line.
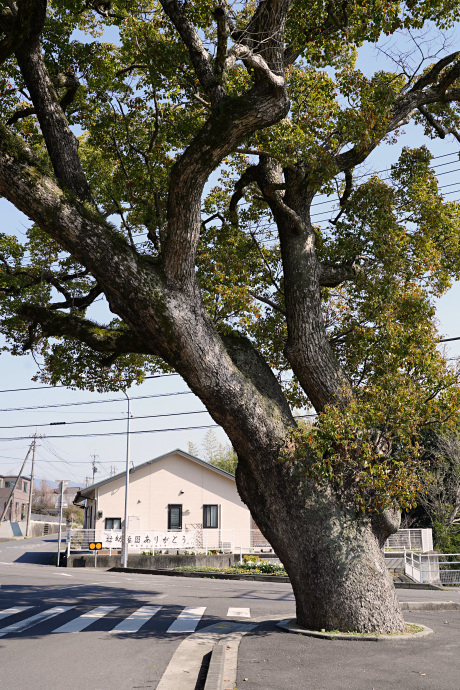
<point>172,174</point>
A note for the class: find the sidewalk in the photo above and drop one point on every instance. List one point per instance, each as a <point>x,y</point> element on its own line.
<point>270,659</point>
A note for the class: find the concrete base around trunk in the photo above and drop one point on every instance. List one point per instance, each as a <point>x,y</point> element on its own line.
<point>160,562</point>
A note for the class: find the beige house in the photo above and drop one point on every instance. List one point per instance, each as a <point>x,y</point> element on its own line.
<point>175,492</point>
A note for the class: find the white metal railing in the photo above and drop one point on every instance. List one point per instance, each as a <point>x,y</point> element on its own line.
<point>410,539</point>
<point>227,540</point>
<point>435,568</point>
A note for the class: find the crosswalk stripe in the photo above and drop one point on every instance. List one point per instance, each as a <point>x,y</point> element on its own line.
<point>187,620</point>
<point>10,612</point>
<point>83,621</point>
<point>136,620</point>
<point>33,620</point>
<point>239,613</point>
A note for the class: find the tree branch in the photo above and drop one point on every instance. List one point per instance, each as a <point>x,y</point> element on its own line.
<point>201,60</point>
<point>432,75</point>
<point>98,338</point>
<point>269,302</point>
<point>223,32</point>
<point>23,25</point>
<point>332,276</point>
<point>71,82</point>
<point>440,129</point>
<point>60,141</point>
<point>332,24</point>
<point>260,66</point>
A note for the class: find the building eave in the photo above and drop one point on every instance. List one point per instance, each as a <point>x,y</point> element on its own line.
<point>88,492</point>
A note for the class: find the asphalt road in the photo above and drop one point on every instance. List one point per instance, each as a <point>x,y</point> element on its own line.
<point>78,644</point>
<point>100,630</point>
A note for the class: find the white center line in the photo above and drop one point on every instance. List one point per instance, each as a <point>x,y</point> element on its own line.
<point>187,620</point>
<point>85,620</point>
<point>33,620</point>
<point>137,619</point>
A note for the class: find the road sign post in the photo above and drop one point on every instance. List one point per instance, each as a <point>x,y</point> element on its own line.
<point>95,546</point>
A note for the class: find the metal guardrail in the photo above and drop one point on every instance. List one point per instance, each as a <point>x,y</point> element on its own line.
<point>417,539</point>
<point>433,568</point>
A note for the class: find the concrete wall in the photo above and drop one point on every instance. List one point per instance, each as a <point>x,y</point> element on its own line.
<point>37,529</point>
<point>151,562</point>
<point>173,480</point>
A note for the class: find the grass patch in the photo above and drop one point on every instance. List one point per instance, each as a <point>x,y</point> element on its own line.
<point>410,629</point>
<point>262,568</point>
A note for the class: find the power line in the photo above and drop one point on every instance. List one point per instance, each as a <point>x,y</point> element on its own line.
<point>123,433</point>
<point>39,388</point>
<point>117,433</point>
<point>95,402</point>
<point>98,421</point>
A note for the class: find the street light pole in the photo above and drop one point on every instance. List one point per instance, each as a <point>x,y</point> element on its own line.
<point>62,483</point>
<point>125,527</point>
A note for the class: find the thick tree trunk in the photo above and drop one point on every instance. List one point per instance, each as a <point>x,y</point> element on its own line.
<point>334,558</point>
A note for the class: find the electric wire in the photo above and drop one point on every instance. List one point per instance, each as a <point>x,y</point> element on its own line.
<point>99,421</point>
<point>59,385</point>
<point>95,402</point>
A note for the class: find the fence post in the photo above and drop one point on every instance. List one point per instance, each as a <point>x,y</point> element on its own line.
<point>420,567</point>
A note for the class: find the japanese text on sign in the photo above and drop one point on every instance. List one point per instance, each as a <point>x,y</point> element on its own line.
<point>149,541</point>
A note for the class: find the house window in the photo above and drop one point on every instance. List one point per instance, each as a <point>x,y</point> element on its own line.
<point>25,487</point>
<point>9,484</point>
<point>210,517</point>
<point>23,511</point>
<point>112,523</point>
<point>175,516</point>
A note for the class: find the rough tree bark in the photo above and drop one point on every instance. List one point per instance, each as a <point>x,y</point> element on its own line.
<point>333,556</point>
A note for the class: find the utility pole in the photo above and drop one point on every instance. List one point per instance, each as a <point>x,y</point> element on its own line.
<point>31,492</point>
<point>15,484</point>
<point>94,456</point>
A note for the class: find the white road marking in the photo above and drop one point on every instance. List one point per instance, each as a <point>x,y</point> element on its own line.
<point>85,620</point>
<point>136,620</point>
<point>10,612</point>
<point>187,620</point>
<point>33,620</point>
<point>239,613</point>
<point>65,574</point>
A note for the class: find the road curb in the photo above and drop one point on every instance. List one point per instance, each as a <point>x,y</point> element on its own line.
<point>417,585</point>
<point>201,574</point>
<point>215,676</point>
<point>429,606</point>
<point>256,578</point>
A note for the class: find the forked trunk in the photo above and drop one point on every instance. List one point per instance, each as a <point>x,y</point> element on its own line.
<point>333,557</point>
